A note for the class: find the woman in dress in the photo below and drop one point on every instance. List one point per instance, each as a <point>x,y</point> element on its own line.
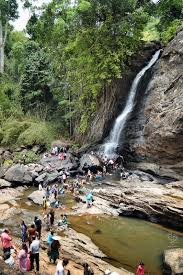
<point>23,257</point>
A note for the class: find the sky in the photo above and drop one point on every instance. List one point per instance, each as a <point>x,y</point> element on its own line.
<point>24,15</point>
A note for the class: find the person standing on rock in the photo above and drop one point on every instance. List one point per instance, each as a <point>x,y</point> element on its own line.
<point>47,192</point>
<point>54,249</point>
<point>64,177</point>
<point>61,267</point>
<point>52,217</point>
<point>55,192</point>
<point>44,204</point>
<point>34,253</point>
<point>47,218</point>
<point>23,257</point>
<point>50,238</point>
<point>89,200</point>
<point>6,241</point>
<point>38,224</point>
<point>31,233</point>
<point>40,187</point>
<point>87,269</point>
<point>140,269</point>
<point>23,231</point>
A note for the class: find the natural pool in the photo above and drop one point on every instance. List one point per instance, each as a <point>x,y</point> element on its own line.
<point>125,241</point>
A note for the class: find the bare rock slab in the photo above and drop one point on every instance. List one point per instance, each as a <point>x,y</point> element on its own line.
<point>173,262</point>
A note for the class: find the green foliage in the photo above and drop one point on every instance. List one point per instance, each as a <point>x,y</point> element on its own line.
<point>26,131</point>
<point>35,78</point>
<point>8,10</point>
<point>170,32</point>
<point>37,133</point>
<point>11,131</point>
<point>29,157</point>
<point>90,44</point>
<point>54,76</point>
<point>7,163</point>
<point>171,16</point>
<point>150,32</point>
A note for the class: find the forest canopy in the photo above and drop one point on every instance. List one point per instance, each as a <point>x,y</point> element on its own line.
<point>53,72</point>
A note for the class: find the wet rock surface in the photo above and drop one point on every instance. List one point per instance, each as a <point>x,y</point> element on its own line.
<point>173,262</point>
<point>112,98</point>
<point>155,131</point>
<point>162,204</point>
<point>89,160</point>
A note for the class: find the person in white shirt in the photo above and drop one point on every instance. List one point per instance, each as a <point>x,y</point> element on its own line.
<point>34,253</point>
<point>61,267</point>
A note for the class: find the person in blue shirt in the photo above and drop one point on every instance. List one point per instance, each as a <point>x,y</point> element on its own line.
<point>50,237</point>
<point>89,199</point>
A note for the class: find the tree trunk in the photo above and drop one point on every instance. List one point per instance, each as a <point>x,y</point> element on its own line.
<point>2,43</point>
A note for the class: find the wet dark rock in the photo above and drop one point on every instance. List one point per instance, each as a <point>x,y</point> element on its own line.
<point>155,131</point>
<point>112,98</point>
<point>173,261</point>
<point>52,177</point>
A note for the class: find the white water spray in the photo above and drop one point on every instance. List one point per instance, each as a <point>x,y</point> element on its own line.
<point>110,146</point>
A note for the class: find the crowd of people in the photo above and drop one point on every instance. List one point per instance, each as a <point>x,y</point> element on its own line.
<point>61,152</point>
<point>28,255</point>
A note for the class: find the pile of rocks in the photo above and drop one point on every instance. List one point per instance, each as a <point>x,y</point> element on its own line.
<point>47,170</point>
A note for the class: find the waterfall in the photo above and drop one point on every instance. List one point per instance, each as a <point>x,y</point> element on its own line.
<point>112,142</point>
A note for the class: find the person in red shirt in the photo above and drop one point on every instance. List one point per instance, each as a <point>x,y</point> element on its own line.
<point>6,241</point>
<point>140,269</point>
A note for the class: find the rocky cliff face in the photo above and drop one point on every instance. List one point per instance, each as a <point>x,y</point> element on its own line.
<point>112,98</point>
<point>155,132</point>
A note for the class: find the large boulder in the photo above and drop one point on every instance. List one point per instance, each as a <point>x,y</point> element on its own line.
<point>18,173</point>
<point>4,183</point>
<point>41,178</point>
<point>173,262</point>
<point>37,197</point>
<point>89,160</point>
<point>52,163</point>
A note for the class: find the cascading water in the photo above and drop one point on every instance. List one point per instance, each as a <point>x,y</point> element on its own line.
<point>110,146</point>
